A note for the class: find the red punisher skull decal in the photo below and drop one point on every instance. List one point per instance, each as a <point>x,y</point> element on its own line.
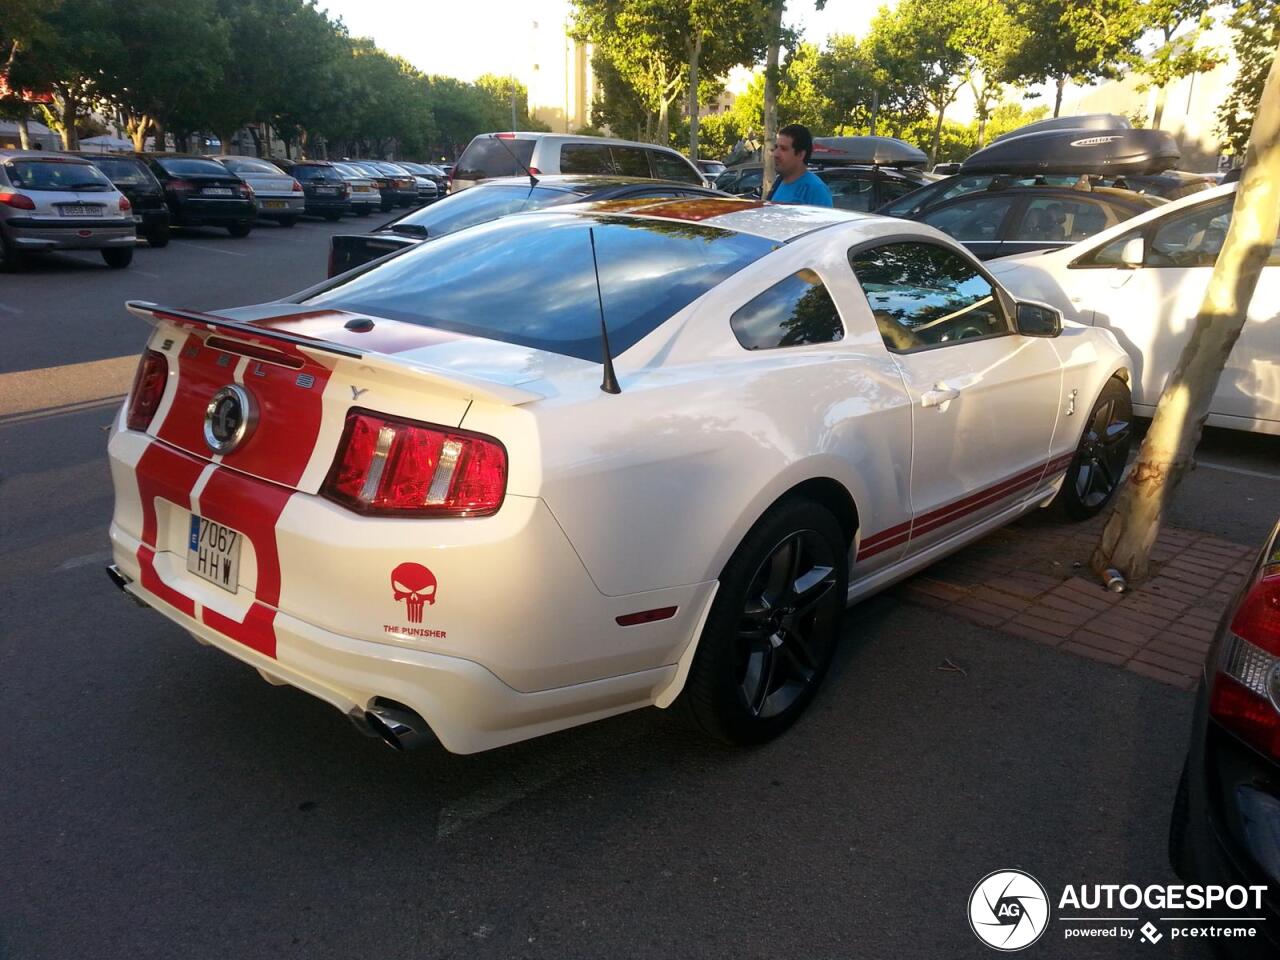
<point>415,585</point>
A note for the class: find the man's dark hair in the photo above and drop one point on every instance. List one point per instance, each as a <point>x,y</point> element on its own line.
<point>801,139</point>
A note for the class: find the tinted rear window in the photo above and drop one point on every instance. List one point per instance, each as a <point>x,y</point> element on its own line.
<point>301,172</point>
<point>56,175</point>
<point>191,167</point>
<point>482,203</point>
<point>250,165</point>
<point>529,280</point>
<point>491,157</point>
<point>129,173</point>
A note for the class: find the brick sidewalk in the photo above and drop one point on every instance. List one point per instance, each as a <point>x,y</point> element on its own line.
<point>1032,579</point>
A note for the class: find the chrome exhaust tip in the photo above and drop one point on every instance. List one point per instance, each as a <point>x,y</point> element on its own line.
<point>397,726</point>
<point>122,581</point>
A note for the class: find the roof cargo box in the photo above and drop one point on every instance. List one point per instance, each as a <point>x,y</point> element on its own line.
<point>1078,152</point>
<point>1089,121</point>
<point>878,151</point>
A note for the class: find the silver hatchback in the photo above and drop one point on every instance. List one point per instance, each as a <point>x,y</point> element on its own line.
<point>61,203</point>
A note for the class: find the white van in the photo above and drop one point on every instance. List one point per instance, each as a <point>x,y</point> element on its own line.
<point>491,155</point>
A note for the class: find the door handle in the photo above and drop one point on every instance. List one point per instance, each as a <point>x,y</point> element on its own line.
<point>939,396</point>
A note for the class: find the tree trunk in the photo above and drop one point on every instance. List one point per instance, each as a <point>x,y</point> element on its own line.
<point>158,127</point>
<point>771,94</point>
<point>1175,430</point>
<point>67,118</point>
<point>1158,113</point>
<point>226,139</point>
<point>694,56</point>
<point>1057,100</point>
<point>664,123</point>
<point>24,132</point>
<point>982,129</point>
<point>256,133</point>
<point>137,128</point>
<point>937,137</point>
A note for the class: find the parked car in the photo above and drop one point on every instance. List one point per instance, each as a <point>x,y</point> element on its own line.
<point>387,192</point>
<point>710,169</point>
<point>1145,280</point>
<point>365,196</point>
<point>431,172</point>
<point>860,188</point>
<point>52,203</point>
<point>325,190</point>
<point>412,504</point>
<point>132,177</point>
<point>279,194</point>
<point>492,155</point>
<point>488,201</point>
<point>405,187</point>
<point>203,193</point>
<point>1225,827</point>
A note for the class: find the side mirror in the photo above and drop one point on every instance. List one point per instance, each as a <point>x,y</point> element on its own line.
<point>410,230</point>
<point>1133,253</point>
<point>1038,320</point>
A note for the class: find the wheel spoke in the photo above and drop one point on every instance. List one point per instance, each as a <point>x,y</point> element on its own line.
<point>780,578</point>
<point>757,697</point>
<point>817,584</point>
<point>795,647</point>
<point>1116,433</point>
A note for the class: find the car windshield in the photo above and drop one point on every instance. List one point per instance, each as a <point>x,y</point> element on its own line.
<point>191,166</point>
<point>529,279</point>
<point>481,203</point>
<point>124,171</point>
<point>57,175</point>
<point>250,165</point>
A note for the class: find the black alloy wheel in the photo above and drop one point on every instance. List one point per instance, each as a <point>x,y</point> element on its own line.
<point>1095,474</point>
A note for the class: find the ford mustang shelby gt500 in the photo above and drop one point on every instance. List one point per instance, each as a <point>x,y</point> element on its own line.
<point>579,461</point>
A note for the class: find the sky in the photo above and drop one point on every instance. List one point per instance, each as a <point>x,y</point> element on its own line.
<point>466,38</point>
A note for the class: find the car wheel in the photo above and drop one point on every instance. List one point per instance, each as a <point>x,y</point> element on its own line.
<point>773,626</point>
<point>10,257</point>
<point>1179,857</point>
<point>288,221</point>
<point>239,229</point>
<point>158,236</point>
<point>1095,473</point>
<point>118,258</point>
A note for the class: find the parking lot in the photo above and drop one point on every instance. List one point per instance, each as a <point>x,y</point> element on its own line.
<point>165,801</point>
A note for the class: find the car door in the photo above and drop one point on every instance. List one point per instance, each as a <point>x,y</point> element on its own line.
<point>984,399</point>
<point>1152,309</point>
<point>977,222</point>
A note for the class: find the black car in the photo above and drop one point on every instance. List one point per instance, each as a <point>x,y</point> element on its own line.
<point>387,190</point>
<point>1225,827</point>
<point>327,193</point>
<point>490,200</point>
<point>862,187</point>
<point>203,193</point>
<point>134,179</point>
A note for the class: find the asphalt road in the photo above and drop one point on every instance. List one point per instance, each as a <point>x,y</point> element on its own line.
<point>161,800</point>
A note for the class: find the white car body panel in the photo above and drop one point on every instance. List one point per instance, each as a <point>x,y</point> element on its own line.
<point>615,504</point>
<point>1152,309</point>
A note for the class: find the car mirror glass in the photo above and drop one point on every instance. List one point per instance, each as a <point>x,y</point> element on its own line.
<point>1132,253</point>
<point>1038,320</point>
<point>409,229</point>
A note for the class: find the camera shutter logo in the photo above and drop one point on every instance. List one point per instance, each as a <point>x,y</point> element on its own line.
<point>1008,910</point>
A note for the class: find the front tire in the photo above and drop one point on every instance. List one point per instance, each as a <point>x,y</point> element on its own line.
<point>118,258</point>
<point>1094,475</point>
<point>773,627</point>
<point>239,230</point>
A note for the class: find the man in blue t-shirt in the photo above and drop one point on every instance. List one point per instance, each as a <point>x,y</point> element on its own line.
<point>794,183</point>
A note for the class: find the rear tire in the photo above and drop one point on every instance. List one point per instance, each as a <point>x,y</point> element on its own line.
<point>239,229</point>
<point>11,259</point>
<point>773,627</point>
<point>1094,475</point>
<point>362,212</point>
<point>118,258</point>
<point>158,236</point>
<point>288,221</point>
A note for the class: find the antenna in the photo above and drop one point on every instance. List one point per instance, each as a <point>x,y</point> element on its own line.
<point>533,181</point>
<point>610,382</point>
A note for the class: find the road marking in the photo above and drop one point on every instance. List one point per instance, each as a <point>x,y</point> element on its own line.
<point>201,246</point>
<point>143,273</point>
<point>7,309</point>
<point>103,404</point>
<point>1240,470</point>
<point>89,558</point>
<point>65,388</point>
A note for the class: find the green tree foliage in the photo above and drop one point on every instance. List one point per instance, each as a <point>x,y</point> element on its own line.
<point>1256,26</point>
<point>1178,24</point>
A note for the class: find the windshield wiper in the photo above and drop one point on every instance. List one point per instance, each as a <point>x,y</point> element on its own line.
<point>90,187</point>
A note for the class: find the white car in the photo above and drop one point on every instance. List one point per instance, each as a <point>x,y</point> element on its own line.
<point>414,492</point>
<point>280,196</point>
<point>1144,280</point>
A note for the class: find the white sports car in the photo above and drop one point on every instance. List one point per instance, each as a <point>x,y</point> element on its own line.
<point>413,491</point>
<point>1145,281</point>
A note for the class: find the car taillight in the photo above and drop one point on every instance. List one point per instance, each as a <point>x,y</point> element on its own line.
<point>125,205</point>
<point>182,186</point>
<point>535,171</point>
<point>246,190</point>
<point>148,388</point>
<point>17,201</point>
<point>297,187</point>
<point>1246,686</point>
<point>391,467</point>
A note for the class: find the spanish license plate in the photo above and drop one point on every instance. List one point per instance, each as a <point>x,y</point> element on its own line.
<point>217,191</point>
<point>328,191</point>
<point>213,552</point>
<point>273,204</point>
<point>80,210</point>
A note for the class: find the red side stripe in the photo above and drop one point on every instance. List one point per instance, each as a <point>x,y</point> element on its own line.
<point>890,534</point>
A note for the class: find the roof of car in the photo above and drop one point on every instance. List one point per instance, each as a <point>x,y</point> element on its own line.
<point>773,221</point>
<point>40,155</point>
<point>538,135</point>
<point>584,182</point>
<point>1133,198</point>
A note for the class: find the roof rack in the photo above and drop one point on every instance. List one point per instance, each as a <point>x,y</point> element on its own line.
<point>873,151</point>
<point>1112,153</point>
<point>1087,121</point>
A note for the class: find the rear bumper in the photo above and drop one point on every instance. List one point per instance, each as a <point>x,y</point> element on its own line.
<point>36,235</point>
<point>276,208</point>
<point>318,206</point>
<point>194,213</point>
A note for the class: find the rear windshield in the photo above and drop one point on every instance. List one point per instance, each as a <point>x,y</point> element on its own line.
<point>56,175</point>
<point>250,165</point>
<point>493,157</point>
<point>191,166</point>
<point>529,280</point>
<point>124,171</point>
<point>301,172</point>
<point>485,202</point>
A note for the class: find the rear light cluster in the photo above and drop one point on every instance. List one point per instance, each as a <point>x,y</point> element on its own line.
<point>148,388</point>
<point>391,467</point>
<point>17,200</point>
<point>125,205</point>
<point>182,186</point>
<point>245,190</point>
<point>297,187</point>
<point>1246,687</point>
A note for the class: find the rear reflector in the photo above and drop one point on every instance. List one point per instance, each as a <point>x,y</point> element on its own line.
<point>392,467</point>
<point>148,388</point>
<point>646,616</point>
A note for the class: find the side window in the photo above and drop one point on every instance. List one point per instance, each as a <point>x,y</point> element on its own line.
<point>1192,238</point>
<point>585,158</point>
<point>1109,256</point>
<point>891,190</point>
<point>728,181</point>
<point>850,193</point>
<point>630,162</point>
<point>791,313</point>
<point>1062,220</point>
<point>668,166</point>
<point>752,180</point>
<point>971,220</point>
<point>926,296</point>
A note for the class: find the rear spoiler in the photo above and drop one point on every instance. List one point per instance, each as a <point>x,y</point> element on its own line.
<point>373,362</point>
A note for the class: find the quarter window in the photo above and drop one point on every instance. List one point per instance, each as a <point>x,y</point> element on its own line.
<point>667,166</point>
<point>585,158</point>
<point>791,313</point>
<point>631,162</point>
<point>1050,219</point>
<point>926,296</point>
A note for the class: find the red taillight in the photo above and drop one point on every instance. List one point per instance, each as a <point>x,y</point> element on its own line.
<point>148,388</point>
<point>505,136</point>
<point>17,201</point>
<point>182,186</point>
<point>391,467</point>
<point>297,187</point>
<point>1246,686</point>
<point>535,171</point>
<point>125,205</point>
<point>246,190</point>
